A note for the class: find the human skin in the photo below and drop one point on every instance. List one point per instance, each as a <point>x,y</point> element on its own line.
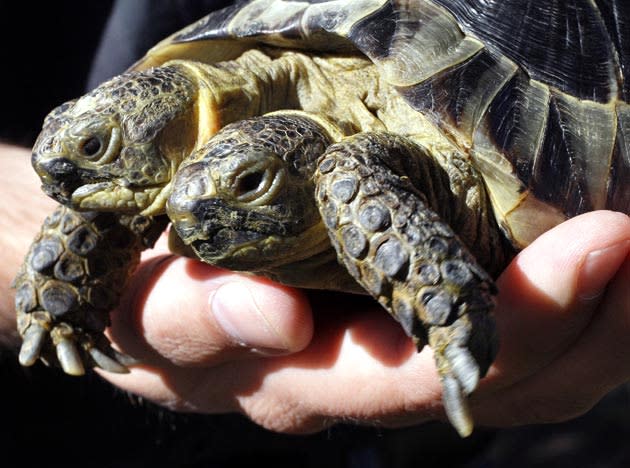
<point>212,341</point>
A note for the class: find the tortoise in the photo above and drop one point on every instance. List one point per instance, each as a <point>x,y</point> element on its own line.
<point>403,149</point>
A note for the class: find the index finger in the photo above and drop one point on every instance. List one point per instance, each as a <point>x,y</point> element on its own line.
<point>546,294</point>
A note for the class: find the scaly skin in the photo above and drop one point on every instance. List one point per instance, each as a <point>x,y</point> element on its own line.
<point>73,275</point>
<point>110,150</point>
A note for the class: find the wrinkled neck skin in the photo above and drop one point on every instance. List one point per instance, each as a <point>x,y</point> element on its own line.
<point>321,271</point>
<point>264,81</point>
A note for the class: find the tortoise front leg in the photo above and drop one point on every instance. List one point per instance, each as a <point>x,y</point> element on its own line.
<point>378,194</point>
<point>72,276</point>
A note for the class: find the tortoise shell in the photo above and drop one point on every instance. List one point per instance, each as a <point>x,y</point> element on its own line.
<point>535,91</point>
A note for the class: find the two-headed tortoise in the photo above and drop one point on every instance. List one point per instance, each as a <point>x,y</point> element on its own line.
<point>404,149</point>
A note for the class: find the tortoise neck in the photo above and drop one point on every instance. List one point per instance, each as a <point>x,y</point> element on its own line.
<point>250,85</point>
<point>267,79</point>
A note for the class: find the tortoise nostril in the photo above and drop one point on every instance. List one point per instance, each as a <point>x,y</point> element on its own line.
<point>61,177</point>
<point>197,185</point>
<point>191,184</point>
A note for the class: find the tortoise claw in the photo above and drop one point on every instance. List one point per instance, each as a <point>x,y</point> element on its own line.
<point>69,357</point>
<point>34,339</point>
<point>455,401</point>
<point>106,362</point>
<point>464,367</point>
<point>463,352</point>
<point>72,276</point>
<point>460,374</point>
<point>71,348</point>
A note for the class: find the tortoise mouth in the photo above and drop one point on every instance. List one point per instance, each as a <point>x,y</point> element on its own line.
<point>224,235</point>
<point>61,178</point>
<point>214,240</point>
<point>118,195</point>
<point>220,247</point>
<point>73,194</point>
<point>61,193</point>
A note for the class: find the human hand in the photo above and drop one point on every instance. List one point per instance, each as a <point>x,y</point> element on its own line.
<point>213,341</point>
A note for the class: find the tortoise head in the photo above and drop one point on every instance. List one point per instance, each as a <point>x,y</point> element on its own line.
<point>246,200</point>
<point>117,147</point>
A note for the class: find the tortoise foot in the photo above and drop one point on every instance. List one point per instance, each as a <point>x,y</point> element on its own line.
<point>384,227</point>
<point>72,276</point>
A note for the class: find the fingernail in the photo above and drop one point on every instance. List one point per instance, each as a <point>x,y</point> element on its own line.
<point>236,311</point>
<point>599,266</point>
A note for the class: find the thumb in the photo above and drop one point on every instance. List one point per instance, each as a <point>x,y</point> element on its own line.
<point>191,314</point>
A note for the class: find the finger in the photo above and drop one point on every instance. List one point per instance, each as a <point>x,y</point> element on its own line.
<point>544,296</point>
<point>191,314</point>
<point>596,363</point>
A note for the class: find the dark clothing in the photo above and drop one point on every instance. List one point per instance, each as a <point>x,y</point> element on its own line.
<point>46,51</point>
<point>135,26</point>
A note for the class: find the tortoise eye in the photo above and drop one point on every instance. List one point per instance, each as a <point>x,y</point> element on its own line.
<point>259,182</point>
<point>90,146</point>
<point>249,183</point>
